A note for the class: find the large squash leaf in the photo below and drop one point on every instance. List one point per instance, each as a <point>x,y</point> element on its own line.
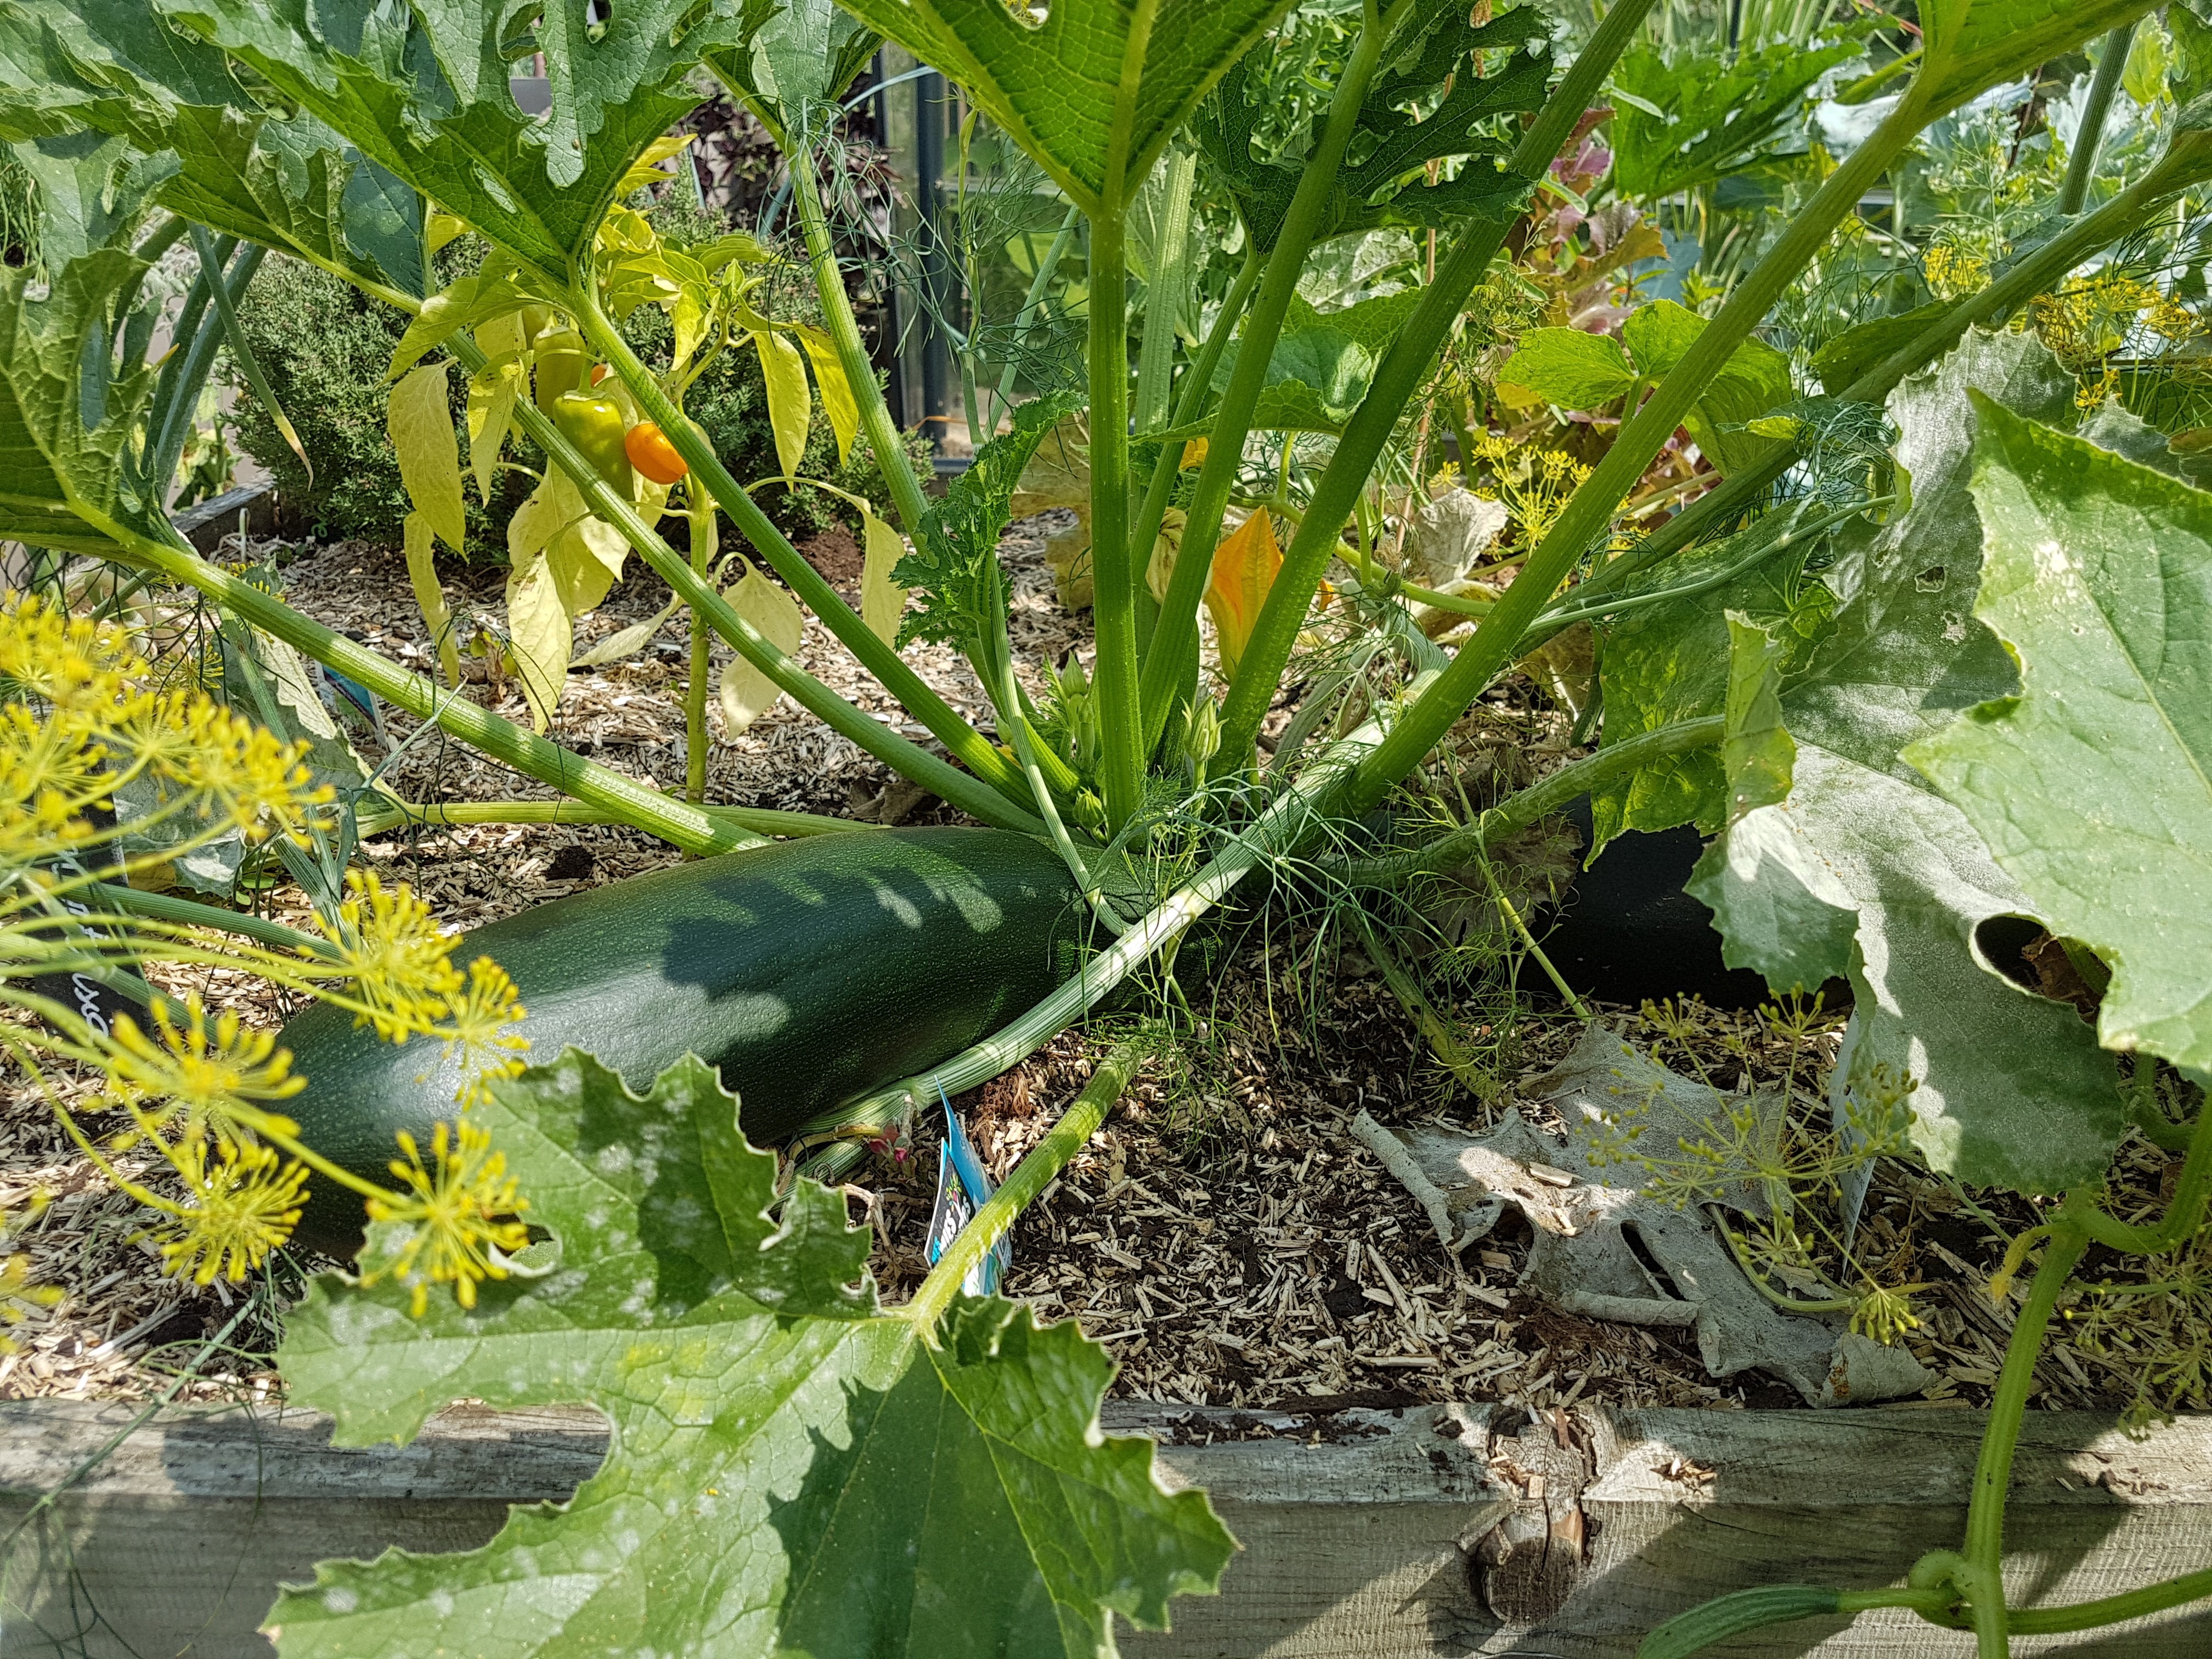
<point>794,69</point>
<point>286,181</point>
<point>1430,62</point>
<point>784,1460</point>
<point>1864,872</point>
<point>67,416</point>
<point>429,99</point>
<point>1697,116</point>
<point>1971,45</point>
<point>1092,91</point>
<point>2092,787</point>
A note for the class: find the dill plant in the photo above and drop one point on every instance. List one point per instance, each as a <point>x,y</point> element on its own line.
<point>200,1090</point>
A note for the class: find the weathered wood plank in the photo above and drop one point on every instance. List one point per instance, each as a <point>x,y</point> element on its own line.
<point>1365,1546</point>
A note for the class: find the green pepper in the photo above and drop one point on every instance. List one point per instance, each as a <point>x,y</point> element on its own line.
<point>595,425</point>
<point>562,362</point>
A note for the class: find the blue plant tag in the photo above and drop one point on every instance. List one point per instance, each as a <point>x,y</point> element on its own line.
<point>962,1188</point>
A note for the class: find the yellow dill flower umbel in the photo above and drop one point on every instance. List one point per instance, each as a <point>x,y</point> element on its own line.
<point>402,966</point>
<point>221,767</point>
<point>70,662</point>
<point>476,1028</point>
<point>242,1208</point>
<point>462,1207</point>
<point>203,1068</point>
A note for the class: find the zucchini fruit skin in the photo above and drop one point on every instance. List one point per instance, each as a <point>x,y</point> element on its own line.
<point>808,973</point>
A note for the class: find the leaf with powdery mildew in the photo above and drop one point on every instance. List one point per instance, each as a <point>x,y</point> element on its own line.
<point>2092,787</point>
<point>785,1462</point>
<point>2011,1087</point>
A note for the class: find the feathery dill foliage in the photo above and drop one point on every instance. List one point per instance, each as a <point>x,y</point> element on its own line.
<point>201,1091</point>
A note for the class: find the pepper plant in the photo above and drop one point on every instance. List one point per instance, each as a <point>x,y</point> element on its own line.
<point>749,1502</point>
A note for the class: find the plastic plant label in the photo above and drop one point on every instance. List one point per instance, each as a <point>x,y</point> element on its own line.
<point>962,1188</point>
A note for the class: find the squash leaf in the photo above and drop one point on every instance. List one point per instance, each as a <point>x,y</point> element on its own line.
<point>66,426</point>
<point>1864,870</point>
<point>1698,117</point>
<point>1758,753</point>
<point>424,94</point>
<point>1093,91</point>
<point>1430,62</point>
<point>782,1456</point>
<point>1971,44</point>
<point>2090,786</point>
<point>116,67</point>
<point>793,70</point>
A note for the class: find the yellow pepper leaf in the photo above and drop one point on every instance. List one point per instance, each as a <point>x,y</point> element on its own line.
<point>746,692</point>
<point>789,402</point>
<point>836,389</point>
<point>882,601</point>
<point>492,393</point>
<point>1244,567</point>
<point>646,170</point>
<point>429,597</point>
<point>421,422</point>
<point>538,636</point>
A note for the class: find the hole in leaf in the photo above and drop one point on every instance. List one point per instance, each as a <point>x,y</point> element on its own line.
<point>1929,580</point>
<point>2024,952</point>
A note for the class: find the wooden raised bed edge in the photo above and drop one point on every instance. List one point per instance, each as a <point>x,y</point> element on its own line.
<point>1371,1534</point>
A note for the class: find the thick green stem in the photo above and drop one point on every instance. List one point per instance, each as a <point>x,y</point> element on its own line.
<point>1172,646</point>
<point>1396,381</point>
<point>1168,463</point>
<point>892,671</point>
<point>695,690</point>
<point>1031,1177</point>
<point>2089,138</point>
<point>1113,576</point>
<point>1985,1550</point>
<point>2038,273</point>
<point>1588,512</point>
<point>882,432</point>
<point>2111,1609</point>
<point>626,800</point>
<point>908,759</point>
<point>1540,800</point>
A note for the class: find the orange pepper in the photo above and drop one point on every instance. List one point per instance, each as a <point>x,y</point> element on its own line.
<point>652,454</point>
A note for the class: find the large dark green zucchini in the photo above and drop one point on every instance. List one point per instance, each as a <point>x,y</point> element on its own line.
<point>809,973</point>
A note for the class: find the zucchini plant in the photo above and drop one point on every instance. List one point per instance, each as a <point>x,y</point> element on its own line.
<point>750,1502</point>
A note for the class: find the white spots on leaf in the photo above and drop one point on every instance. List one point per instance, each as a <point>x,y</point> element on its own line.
<point>339,1600</point>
